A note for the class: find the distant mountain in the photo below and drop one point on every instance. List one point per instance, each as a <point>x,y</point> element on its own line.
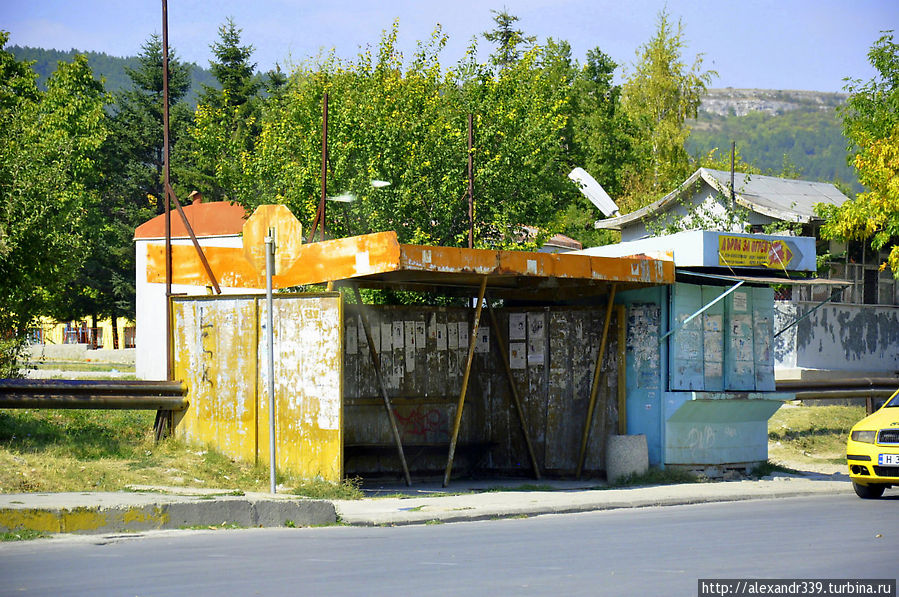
<point>768,125</point>
<point>104,66</point>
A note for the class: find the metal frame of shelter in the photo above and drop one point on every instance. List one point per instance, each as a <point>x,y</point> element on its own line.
<point>380,261</point>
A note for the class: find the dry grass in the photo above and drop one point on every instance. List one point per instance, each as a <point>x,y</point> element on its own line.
<point>100,450</point>
<point>811,434</point>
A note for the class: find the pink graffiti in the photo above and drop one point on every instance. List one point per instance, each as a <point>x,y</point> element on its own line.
<point>421,422</point>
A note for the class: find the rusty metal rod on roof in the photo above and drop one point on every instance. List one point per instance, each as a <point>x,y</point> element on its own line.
<point>193,238</point>
<point>472,342</point>
<point>516,399</point>
<point>595,387</point>
<point>165,179</point>
<point>320,212</point>
<point>376,363</point>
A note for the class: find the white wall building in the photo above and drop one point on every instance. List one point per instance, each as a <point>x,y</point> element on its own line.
<point>217,224</point>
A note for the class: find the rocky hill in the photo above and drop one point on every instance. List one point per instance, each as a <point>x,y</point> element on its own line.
<point>781,132</point>
<point>740,102</point>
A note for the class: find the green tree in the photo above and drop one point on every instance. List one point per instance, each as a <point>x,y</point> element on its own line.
<point>48,178</point>
<point>408,126</point>
<point>600,140</point>
<point>659,96</point>
<point>130,189</point>
<point>871,123</point>
<point>137,144</point>
<point>232,69</point>
<point>226,122</point>
<point>510,43</point>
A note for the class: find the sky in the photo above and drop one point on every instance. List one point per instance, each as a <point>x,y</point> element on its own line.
<point>767,44</point>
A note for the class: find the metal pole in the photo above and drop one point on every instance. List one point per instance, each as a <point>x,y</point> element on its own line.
<point>376,362</point>
<point>470,182</point>
<point>733,156</point>
<point>165,178</point>
<point>472,342</point>
<point>595,388</point>
<point>270,342</point>
<point>504,355</point>
<point>320,212</point>
<point>322,206</point>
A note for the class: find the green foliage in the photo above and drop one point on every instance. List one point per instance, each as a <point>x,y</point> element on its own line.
<point>871,123</point>
<point>409,126</point>
<point>226,122</point>
<point>49,151</point>
<point>508,40</point>
<point>659,97</point>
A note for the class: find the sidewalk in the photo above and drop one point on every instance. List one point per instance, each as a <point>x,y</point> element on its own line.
<point>176,508</point>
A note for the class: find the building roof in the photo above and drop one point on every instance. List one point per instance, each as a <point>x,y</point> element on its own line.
<point>779,198</point>
<point>379,260</point>
<point>219,218</point>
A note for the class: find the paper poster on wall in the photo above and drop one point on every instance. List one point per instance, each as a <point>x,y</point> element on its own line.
<point>536,351</point>
<point>518,326</point>
<point>741,301</point>
<point>351,337</point>
<point>483,343</point>
<point>409,329</point>
<point>452,335</point>
<point>517,355</point>
<point>386,336</point>
<point>535,325</point>
<point>360,334</point>
<point>409,334</point>
<point>398,335</point>
<point>463,334</point>
<point>420,335</point>
<point>440,335</point>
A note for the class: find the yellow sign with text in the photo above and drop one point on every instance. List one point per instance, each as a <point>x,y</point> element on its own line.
<point>750,252</point>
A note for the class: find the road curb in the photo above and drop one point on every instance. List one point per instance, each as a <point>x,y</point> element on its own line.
<point>167,514</point>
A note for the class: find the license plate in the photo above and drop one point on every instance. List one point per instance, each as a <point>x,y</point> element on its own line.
<point>888,460</point>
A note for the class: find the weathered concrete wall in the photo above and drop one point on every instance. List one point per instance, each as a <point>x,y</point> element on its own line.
<point>858,338</point>
<point>423,352</point>
<point>221,355</point>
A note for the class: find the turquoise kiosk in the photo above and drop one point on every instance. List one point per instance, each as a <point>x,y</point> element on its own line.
<point>700,362</point>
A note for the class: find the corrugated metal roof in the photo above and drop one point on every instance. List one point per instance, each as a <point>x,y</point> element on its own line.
<point>779,198</point>
<point>790,197</point>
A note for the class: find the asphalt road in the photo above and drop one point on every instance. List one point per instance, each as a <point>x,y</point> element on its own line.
<point>648,551</point>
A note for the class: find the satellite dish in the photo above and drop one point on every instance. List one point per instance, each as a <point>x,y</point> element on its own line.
<point>594,192</point>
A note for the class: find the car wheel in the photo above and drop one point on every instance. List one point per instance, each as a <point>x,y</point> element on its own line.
<point>868,492</point>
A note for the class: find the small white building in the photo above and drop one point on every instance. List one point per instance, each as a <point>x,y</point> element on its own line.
<point>217,224</point>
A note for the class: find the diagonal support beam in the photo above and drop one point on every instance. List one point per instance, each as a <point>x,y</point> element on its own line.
<point>472,342</point>
<point>193,238</point>
<point>376,362</point>
<point>595,388</point>
<point>504,356</point>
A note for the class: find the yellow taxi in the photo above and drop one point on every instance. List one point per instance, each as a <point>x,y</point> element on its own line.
<point>872,451</point>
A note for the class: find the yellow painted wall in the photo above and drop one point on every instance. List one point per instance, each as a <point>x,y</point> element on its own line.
<point>221,354</point>
<point>54,331</point>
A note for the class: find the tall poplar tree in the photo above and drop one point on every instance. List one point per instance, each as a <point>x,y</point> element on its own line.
<point>659,96</point>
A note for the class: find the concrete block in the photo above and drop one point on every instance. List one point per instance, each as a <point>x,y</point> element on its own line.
<point>626,455</point>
